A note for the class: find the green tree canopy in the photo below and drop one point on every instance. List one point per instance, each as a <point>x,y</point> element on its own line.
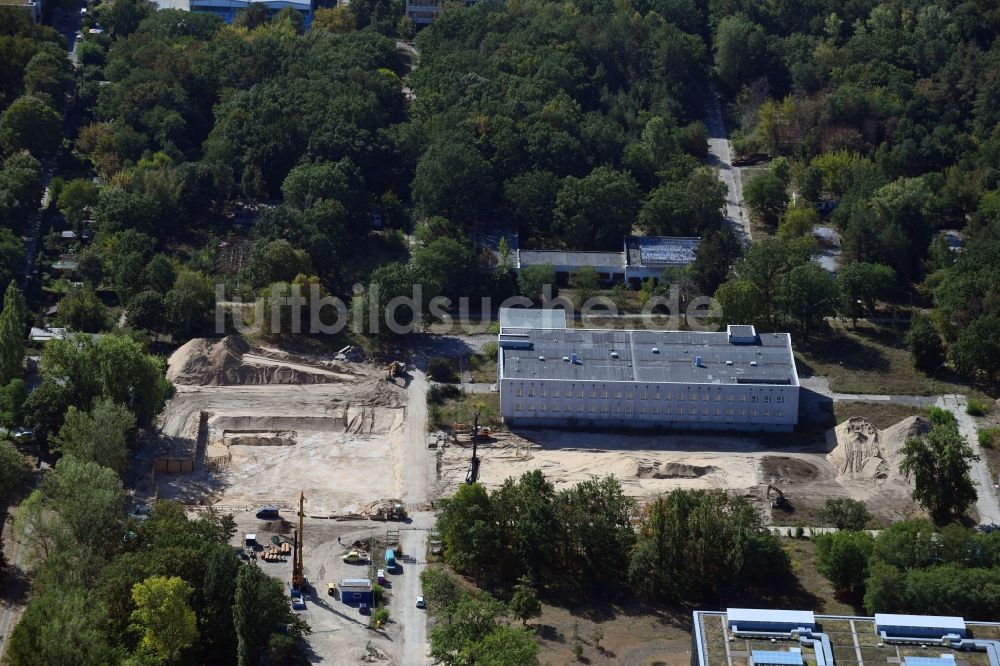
<point>598,210</point>
<point>163,616</point>
<point>939,464</point>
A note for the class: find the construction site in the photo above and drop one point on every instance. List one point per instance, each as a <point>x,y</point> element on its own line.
<point>855,460</point>
<point>254,431</point>
<point>268,435</point>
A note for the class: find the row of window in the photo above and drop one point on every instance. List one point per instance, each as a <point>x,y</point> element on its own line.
<point>628,409</point>
<point>649,395</point>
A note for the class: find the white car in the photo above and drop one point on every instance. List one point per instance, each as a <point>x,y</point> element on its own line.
<point>421,603</point>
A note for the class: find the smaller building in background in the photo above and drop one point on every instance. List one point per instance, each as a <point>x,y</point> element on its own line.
<point>228,9</point>
<point>642,258</point>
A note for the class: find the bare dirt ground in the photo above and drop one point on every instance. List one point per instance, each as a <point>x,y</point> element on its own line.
<point>262,425</point>
<point>650,465</point>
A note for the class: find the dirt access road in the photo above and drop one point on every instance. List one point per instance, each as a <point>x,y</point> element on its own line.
<point>417,473</point>
<point>720,156</point>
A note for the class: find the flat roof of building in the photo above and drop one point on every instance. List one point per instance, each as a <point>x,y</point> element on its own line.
<point>356,582</point>
<point>661,250</point>
<point>854,641</point>
<point>943,660</point>
<point>649,356</point>
<point>541,318</point>
<point>571,258</point>
<point>777,616</point>
<point>922,621</point>
<point>787,657</point>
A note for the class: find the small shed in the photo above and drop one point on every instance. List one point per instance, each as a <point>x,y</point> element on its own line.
<point>919,626</point>
<point>769,620</point>
<point>791,657</point>
<point>356,591</point>
<point>249,540</point>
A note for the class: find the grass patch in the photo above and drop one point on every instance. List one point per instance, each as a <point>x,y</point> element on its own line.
<point>977,407</point>
<point>869,359</point>
<point>881,414</point>
<point>988,437</point>
<point>802,553</point>
<point>483,367</point>
<point>461,407</point>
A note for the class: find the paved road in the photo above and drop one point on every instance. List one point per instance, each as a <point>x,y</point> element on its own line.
<point>720,156</point>
<point>418,471</point>
<point>986,502</point>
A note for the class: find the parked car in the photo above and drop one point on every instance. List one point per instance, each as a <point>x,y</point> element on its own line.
<point>421,603</point>
<point>381,576</point>
<point>331,589</point>
<point>363,608</point>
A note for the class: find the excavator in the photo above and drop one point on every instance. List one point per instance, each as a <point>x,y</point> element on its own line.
<point>395,369</point>
<point>779,501</point>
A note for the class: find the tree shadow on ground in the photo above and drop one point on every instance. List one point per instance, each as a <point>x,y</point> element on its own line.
<point>843,350</point>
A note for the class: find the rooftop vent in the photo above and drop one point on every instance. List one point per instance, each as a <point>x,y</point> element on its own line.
<point>753,363</point>
<point>729,362</point>
<point>566,359</point>
<point>656,350</point>
<point>614,354</point>
<point>541,358</point>
<point>697,361</point>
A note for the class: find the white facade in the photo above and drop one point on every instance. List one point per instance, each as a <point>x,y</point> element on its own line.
<point>710,394</point>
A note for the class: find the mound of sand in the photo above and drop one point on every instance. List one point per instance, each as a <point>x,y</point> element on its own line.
<point>864,452</point>
<point>234,361</point>
<point>656,470</point>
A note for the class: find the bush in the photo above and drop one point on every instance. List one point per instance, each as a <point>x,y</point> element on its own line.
<point>378,593</point>
<point>490,350</point>
<point>988,437</point>
<point>976,407</point>
<point>437,395</point>
<point>381,616</point>
<point>441,370</point>
<point>942,418</point>
<point>846,514</point>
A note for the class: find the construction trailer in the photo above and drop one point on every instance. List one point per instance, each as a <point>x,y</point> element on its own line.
<point>354,591</point>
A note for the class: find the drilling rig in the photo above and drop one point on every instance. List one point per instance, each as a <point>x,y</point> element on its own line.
<point>473,474</point>
<point>298,579</point>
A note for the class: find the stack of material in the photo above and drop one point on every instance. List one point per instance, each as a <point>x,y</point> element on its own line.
<point>277,553</point>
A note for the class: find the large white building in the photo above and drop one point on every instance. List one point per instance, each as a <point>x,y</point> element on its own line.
<point>549,375</point>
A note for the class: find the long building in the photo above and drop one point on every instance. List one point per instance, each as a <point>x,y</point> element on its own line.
<point>228,9</point>
<point>549,375</point>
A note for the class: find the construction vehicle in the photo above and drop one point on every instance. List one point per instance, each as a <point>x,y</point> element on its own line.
<point>395,369</point>
<point>473,474</point>
<point>298,578</point>
<point>779,501</point>
<point>394,512</point>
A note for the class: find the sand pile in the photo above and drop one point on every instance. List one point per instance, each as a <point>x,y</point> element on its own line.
<point>864,452</point>
<point>206,362</point>
<point>656,470</point>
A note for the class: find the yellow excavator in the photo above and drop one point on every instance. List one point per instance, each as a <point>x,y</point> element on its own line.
<point>779,501</point>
